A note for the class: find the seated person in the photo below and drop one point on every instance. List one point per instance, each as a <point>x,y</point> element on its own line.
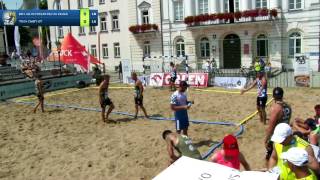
<point>309,129</point>
<point>317,116</point>
<point>297,159</point>
<point>230,155</point>
<point>182,144</point>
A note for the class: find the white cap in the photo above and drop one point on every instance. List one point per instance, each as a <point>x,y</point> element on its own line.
<point>296,156</point>
<point>281,132</point>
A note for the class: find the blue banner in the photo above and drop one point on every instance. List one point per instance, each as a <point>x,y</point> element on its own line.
<point>48,18</point>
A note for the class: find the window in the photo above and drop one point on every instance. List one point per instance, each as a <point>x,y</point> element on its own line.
<point>60,31</point>
<point>80,5</point>
<point>180,47</point>
<point>146,49</point>
<point>94,50</point>
<point>262,46</point>
<point>58,5</point>
<point>294,43</point>
<point>101,1</point>
<point>261,4</point>
<point>82,30</point>
<point>203,6</point>
<point>113,0</point>
<point>103,23</point>
<point>90,2</point>
<point>115,22</point>
<point>145,17</point>
<point>116,50</point>
<point>227,6</point>
<point>105,52</point>
<point>295,4</point>
<point>92,29</point>
<point>204,48</point>
<point>178,10</point>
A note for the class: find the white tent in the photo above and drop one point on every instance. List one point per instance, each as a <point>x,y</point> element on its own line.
<point>192,169</point>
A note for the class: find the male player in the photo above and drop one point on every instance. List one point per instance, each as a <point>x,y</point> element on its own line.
<point>262,97</point>
<point>138,95</point>
<point>180,106</point>
<point>104,99</point>
<point>173,76</point>
<point>39,88</point>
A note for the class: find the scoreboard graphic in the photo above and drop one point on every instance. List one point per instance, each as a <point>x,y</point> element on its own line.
<point>82,17</point>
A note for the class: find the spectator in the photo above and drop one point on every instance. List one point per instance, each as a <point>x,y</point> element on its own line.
<point>97,74</point>
<point>3,59</point>
<point>284,140</point>
<point>297,160</point>
<point>317,116</point>
<point>120,70</point>
<point>309,130</point>
<point>230,155</point>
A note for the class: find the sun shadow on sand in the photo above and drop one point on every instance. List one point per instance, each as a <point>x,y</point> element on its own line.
<point>54,110</point>
<point>205,143</point>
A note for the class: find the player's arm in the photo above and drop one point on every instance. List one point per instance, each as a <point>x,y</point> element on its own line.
<point>100,91</point>
<point>140,87</point>
<point>244,162</point>
<point>274,113</point>
<point>298,125</point>
<point>312,162</point>
<point>170,150</point>
<point>213,158</point>
<point>273,159</point>
<point>313,138</point>
<point>250,87</point>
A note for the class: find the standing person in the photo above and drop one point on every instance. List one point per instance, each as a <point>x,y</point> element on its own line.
<point>284,139</point>
<point>39,89</point>
<point>180,106</point>
<point>104,99</point>
<point>317,111</point>
<point>180,143</point>
<point>280,112</point>
<point>230,155</point>
<point>173,76</point>
<point>120,70</point>
<point>262,97</point>
<point>297,160</point>
<point>138,95</point>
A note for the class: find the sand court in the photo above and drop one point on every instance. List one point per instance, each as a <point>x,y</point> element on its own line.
<point>75,144</point>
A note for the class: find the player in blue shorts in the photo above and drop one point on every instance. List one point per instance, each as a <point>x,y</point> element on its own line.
<point>180,106</point>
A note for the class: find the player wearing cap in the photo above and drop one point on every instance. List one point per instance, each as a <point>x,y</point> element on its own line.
<point>262,97</point>
<point>173,76</point>
<point>280,112</point>
<point>180,106</point>
<point>138,95</point>
<point>284,140</point>
<point>180,143</point>
<point>230,155</point>
<point>297,160</point>
<point>104,98</point>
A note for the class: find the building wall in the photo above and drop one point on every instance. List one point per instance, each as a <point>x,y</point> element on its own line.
<point>305,21</point>
<point>108,37</point>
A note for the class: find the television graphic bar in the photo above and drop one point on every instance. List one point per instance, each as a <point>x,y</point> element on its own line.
<point>82,17</point>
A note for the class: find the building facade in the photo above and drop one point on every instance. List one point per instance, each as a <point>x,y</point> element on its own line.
<point>2,45</point>
<point>109,41</point>
<point>277,32</point>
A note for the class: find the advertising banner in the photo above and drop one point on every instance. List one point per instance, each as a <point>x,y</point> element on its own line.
<point>301,71</point>
<point>156,79</point>
<point>192,169</point>
<point>195,79</point>
<point>230,82</point>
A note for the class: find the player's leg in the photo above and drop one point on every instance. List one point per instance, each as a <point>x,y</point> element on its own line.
<point>111,107</point>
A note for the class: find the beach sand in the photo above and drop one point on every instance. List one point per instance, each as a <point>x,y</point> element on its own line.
<point>75,144</point>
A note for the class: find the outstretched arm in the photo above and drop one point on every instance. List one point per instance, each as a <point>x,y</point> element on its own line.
<point>170,150</point>
<point>244,162</point>
<point>250,87</point>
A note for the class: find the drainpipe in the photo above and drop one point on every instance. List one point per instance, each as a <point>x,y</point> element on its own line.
<point>161,24</point>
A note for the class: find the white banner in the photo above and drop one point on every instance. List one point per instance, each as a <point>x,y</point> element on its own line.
<point>192,169</point>
<point>126,70</point>
<point>230,82</point>
<point>301,66</point>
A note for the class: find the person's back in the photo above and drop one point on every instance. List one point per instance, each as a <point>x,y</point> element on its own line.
<point>186,148</point>
<point>230,161</point>
<point>285,114</point>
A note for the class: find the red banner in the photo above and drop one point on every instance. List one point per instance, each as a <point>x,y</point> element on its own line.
<point>195,79</point>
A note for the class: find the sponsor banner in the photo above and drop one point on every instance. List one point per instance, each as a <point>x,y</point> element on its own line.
<point>301,71</point>
<point>192,169</point>
<point>28,87</point>
<point>195,79</point>
<point>156,79</point>
<point>230,82</point>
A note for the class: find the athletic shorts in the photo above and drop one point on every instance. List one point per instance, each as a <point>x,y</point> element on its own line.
<point>173,79</point>
<point>182,119</point>
<point>40,96</point>
<point>106,102</point>
<point>138,101</point>
<point>269,150</point>
<point>262,101</point>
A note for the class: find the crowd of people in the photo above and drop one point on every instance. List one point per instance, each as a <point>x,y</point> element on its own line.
<point>30,68</point>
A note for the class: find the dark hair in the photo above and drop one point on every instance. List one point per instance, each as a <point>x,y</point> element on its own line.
<point>277,93</point>
<point>171,64</point>
<point>311,123</point>
<point>165,133</point>
<point>317,106</point>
